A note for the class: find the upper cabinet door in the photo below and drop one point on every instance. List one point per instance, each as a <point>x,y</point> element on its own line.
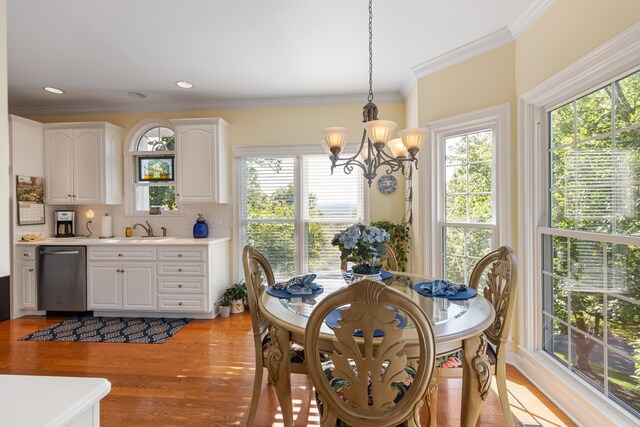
<point>88,165</point>
<point>202,160</point>
<point>83,163</point>
<point>58,158</point>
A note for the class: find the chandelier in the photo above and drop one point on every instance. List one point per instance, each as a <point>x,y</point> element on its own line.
<point>376,135</point>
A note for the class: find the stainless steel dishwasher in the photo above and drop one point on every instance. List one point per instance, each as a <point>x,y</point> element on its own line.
<point>62,278</point>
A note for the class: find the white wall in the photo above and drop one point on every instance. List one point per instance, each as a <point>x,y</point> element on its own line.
<point>5,182</point>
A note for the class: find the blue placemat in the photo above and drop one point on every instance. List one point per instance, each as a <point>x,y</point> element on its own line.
<point>283,293</point>
<point>384,275</point>
<point>332,321</point>
<point>462,294</point>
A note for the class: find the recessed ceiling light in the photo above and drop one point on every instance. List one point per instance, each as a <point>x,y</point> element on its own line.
<point>53,90</point>
<point>184,85</point>
<point>137,95</point>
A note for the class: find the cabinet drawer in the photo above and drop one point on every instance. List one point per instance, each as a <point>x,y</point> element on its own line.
<point>185,253</point>
<point>119,254</point>
<point>186,285</point>
<point>27,253</point>
<point>182,303</point>
<point>182,269</point>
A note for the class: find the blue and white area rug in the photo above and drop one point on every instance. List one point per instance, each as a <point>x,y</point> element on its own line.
<point>110,329</point>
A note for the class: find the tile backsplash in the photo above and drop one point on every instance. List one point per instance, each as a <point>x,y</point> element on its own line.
<point>218,216</point>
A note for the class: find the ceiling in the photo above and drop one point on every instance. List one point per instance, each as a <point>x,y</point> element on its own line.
<point>236,53</point>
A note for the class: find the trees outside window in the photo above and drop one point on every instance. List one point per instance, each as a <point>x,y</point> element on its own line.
<point>291,207</point>
<point>591,251</point>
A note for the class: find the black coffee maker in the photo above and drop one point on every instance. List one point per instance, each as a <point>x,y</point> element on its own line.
<point>65,223</point>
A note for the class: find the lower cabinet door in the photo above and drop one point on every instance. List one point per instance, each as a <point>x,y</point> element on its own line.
<point>29,285</point>
<point>139,286</point>
<point>104,287</point>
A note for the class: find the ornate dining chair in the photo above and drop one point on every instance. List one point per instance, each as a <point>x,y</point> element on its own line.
<point>367,381</point>
<point>390,262</point>
<point>254,262</point>
<point>495,276</point>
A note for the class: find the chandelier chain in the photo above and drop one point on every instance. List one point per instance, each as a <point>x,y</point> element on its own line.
<point>370,97</point>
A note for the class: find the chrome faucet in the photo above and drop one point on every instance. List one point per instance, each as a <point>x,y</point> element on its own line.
<point>164,231</point>
<point>148,228</point>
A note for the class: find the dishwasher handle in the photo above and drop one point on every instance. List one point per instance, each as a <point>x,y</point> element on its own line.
<point>60,253</point>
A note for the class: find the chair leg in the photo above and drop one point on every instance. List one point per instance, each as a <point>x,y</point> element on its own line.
<point>501,382</point>
<point>255,395</point>
<point>432,397</point>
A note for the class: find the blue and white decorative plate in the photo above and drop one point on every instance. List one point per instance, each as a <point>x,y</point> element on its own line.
<point>387,184</point>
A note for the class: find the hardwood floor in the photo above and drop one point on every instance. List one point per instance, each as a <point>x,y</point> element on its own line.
<point>203,377</point>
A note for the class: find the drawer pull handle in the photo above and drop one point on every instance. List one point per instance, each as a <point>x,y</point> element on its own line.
<point>179,255</point>
<point>119,254</point>
<point>180,303</point>
<point>31,269</point>
<point>179,269</point>
<point>180,285</point>
<point>122,271</point>
<point>118,271</point>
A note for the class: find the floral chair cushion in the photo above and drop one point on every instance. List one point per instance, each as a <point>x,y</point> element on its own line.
<point>454,360</point>
<point>338,385</point>
<point>296,354</point>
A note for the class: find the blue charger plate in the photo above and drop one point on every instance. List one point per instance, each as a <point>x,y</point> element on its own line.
<point>464,294</point>
<point>283,293</point>
<point>332,321</point>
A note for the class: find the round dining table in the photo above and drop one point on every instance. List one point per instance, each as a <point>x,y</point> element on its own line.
<point>457,324</point>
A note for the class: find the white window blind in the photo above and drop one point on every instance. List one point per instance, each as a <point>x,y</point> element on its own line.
<point>291,207</point>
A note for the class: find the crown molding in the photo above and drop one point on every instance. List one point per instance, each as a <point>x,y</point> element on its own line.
<point>526,18</point>
<point>483,44</point>
<point>222,104</point>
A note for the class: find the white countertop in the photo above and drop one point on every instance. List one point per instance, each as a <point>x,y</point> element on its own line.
<point>30,401</point>
<point>153,241</point>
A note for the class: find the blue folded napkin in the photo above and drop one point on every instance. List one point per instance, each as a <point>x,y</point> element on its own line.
<point>297,283</point>
<point>441,287</point>
<point>444,289</point>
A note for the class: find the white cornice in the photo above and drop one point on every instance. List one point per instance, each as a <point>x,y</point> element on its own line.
<point>526,18</point>
<point>223,104</point>
<point>467,51</point>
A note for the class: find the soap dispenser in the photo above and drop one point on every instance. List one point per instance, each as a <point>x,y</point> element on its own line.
<point>200,228</point>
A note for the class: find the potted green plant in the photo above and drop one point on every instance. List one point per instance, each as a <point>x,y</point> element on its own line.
<point>364,246</point>
<point>400,236</point>
<point>237,294</point>
<point>225,306</point>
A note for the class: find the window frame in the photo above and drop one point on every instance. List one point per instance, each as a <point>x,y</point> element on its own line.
<point>285,150</point>
<point>614,59</point>
<point>131,155</point>
<point>498,120</point>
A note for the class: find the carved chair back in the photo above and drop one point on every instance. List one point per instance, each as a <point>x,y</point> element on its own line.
<point>370,365</point>
<point>495,276</point>
<point>254,265</point>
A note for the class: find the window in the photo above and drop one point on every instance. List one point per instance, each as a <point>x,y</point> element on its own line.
<point>154,155</point>
<point>471,214</point>
<point>291,206</point>
<point>591,251</point>
<point>468,221</point>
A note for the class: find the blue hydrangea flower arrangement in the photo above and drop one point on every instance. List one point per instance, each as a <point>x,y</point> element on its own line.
<point>362,245</point>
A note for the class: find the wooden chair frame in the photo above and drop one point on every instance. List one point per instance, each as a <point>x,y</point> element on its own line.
<point>368,311</point>
<point>254,262</point>
<point>500,289</point>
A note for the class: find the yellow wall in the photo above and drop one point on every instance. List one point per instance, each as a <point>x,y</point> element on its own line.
<point>299,125</point>
<point>484,81</point>
<point>567,31</point>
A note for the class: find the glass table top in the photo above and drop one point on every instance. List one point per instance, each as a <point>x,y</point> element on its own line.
<point>439,310</point>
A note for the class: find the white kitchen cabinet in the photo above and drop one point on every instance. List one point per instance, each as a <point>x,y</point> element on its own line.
<point>202,160</point>
<point>83,163</point>
<point>27,278</point>
<point>114,282</point>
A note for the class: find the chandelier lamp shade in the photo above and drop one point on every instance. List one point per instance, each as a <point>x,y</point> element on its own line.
<point>376,136</point>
